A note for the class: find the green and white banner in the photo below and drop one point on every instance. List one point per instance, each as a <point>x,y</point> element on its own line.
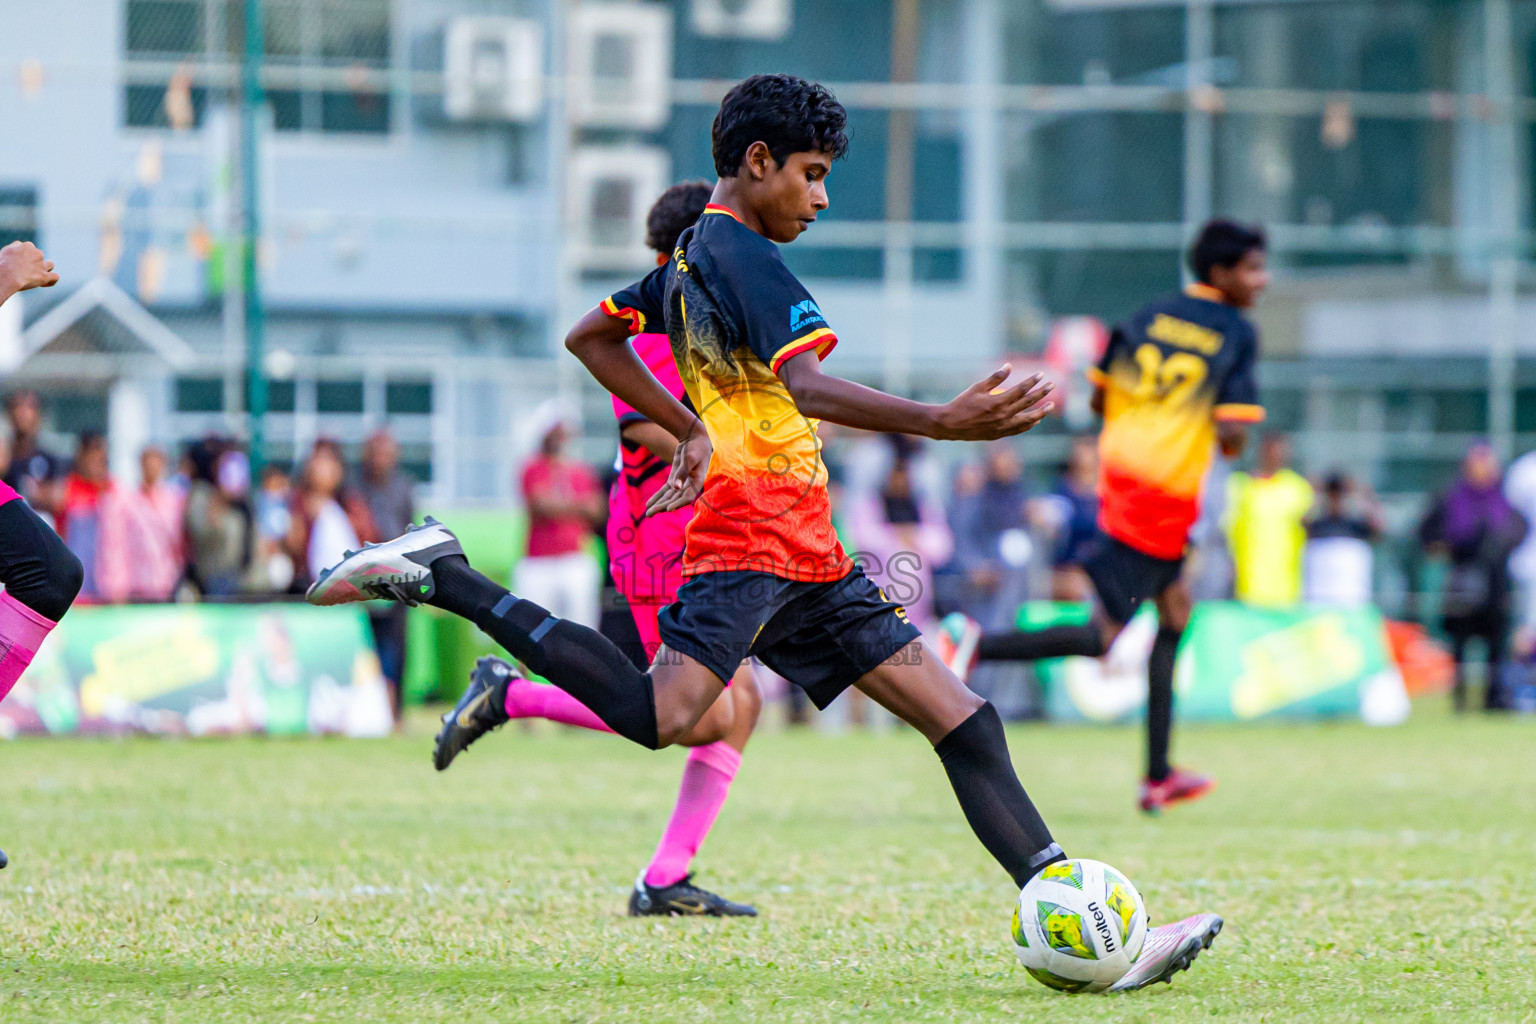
<point>203,670</point>
<point>1236,664</point>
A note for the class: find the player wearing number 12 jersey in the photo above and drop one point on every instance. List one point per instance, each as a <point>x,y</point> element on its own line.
<point>1176,382</point>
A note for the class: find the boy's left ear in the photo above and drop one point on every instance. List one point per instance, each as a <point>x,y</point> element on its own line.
<point>757,160</point>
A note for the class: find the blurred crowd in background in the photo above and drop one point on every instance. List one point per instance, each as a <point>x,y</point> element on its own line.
<point>975,537</point>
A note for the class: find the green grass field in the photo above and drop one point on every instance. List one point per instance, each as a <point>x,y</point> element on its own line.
<point>1365,875</point>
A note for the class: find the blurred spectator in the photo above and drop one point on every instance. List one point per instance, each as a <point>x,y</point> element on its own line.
<point>1265,513</point>
<point>1339,565</point>
<point>390,497</point>
<point>899,524</point>
<point>389,494</point>
<point>79,515</point>
<point>565,505</point>
<point>141,551</point>
<point>1475,525</point>
<point>1520,489</point>
<point>218,520</point>
<point>34,472</point>
<point>992,546</point>
<point>1070,514</point>
<point>274,565</point>
<point>327,521</point>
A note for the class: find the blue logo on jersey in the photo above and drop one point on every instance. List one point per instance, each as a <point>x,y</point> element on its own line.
<point>802,313</point>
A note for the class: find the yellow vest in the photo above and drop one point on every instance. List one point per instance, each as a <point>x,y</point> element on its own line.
<point>1265,517</point>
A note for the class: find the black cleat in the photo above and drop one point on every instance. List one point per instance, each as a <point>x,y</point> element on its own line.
<point>482,709</point>
<point>682,899</point>
<point>4,860</point>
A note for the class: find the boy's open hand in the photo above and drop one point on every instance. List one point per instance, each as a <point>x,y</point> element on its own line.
<point>690,464</point>
<point>22,266</point>
<point>985,412</point>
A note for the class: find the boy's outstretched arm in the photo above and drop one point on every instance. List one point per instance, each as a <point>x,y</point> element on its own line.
<point>23,266</point>
<point>601,342</point>
<point>979,413</point>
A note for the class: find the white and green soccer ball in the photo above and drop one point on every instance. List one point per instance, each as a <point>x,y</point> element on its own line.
<point>1079,926</point>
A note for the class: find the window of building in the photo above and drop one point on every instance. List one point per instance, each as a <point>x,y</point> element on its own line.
<point>408,398</point>
<point>199,394</point>
<point>311,40</point>
<point>339,396</point>
<point>18,215</point>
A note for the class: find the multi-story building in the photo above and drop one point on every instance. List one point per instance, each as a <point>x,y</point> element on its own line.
<point>443,184</point>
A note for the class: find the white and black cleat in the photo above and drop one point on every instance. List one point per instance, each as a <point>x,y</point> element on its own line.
<point>1168,950</point>
<point>396,570</point>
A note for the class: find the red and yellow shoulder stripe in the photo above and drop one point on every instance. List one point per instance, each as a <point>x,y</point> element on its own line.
<point>634,316</point>
<point>717,208</point>
<point>1201,290</point>
<point>822,340</point>
<point>1234,412</point>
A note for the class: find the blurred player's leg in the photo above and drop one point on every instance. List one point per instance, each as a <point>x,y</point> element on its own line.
<point>961,642</point>
<point>41,578</point>
<point>665,887</point>
<point>1164,784</point>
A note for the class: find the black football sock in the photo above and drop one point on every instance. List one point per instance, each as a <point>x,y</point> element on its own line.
<point>1160,701</point>
<point>1033,644</point>
<point>975,754</point>
<point>580,661</point>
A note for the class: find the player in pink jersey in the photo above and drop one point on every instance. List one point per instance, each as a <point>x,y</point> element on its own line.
<point>645,560</point>
<point>40,574</point>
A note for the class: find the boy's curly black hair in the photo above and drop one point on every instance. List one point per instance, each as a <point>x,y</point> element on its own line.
<point>1223,243</point>
<point>675,212</point>
<point>788,114</point>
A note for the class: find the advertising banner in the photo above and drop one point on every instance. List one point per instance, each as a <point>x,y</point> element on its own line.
<point>1236,664</point>
<point>185,669</point>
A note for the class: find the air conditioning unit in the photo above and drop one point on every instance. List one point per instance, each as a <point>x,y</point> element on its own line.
<point>742,19</point>
<point>493,69</point>
<point>621,65</point>
<point>611,189</point>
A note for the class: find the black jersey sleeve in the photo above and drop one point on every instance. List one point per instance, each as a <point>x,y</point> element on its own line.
<point>642,303</point>
<point>1098,373</point>
<point>779,319</point>
<point>1237,396</point>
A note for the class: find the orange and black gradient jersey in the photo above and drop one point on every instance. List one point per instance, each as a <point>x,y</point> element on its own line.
<point>1170,373</point>
<point>734,314</point>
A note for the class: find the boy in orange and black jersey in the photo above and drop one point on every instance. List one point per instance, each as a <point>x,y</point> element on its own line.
<point>1176,381</point>
<point>766,576</point>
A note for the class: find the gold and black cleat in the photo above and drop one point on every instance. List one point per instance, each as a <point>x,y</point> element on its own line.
<point>482,708</point>
<point>682,899</point>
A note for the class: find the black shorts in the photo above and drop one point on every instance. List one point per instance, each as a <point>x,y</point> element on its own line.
<point>820,636</point>
<point>1125,577</point>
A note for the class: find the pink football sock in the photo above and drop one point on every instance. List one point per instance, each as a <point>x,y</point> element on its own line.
<point>21,633</point>
<point>706,781</point>
<point>527,699</point>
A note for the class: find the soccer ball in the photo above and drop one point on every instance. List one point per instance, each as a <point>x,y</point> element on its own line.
<point>1079,926</point>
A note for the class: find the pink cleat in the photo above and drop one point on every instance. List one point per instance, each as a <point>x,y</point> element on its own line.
<point>1179,787</point>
